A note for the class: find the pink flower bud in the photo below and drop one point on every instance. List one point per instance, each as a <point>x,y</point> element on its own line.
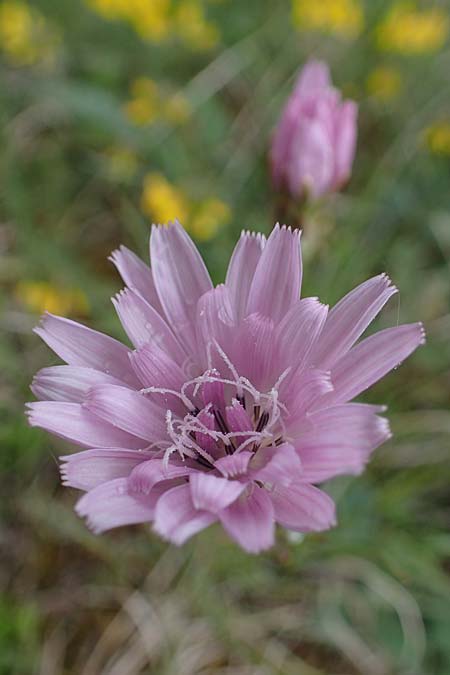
<point>314,143</point>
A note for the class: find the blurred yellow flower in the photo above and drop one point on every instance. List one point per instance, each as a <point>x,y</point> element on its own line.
<point>341,17</point>
<point>143,107</point>
<point>148,104</point>
<point>384,83</point>
<point>438,138</point>
<point>176,109</point>
<point>41,296</point>
<point>210,216</point>
<point>192,26</point>
<point>162,201</point>
<point>156,20</point>
<point>408,30</point>
<point>149,18</point>
<point>26,36</point>
<point>122,163</point>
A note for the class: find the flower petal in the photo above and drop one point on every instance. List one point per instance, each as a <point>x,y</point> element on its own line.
<point>348,320</point>
<point>85,470</point>
<point>256,352</point>
<point>346,130</point>
<point>128,410</point>
<point>112,505</point>
<point>76,424</point>
<point>238,418</point>
<point>250,520</point>
<point>339,440</point>
<point>215,323</point>
<point>277,465</point>
<point>299,330</point>
<point>213,493</point>
<point>147,474</point>
<point>155,368</point>
<point>371,359</point>
<point>277,280</point>
<point>68,383</point>
<point>143,324</point>
<point>137,275</point>
<point>234,465</point>
<point>303,508</point>
<point>176,518</point>
<point>80,346</point>
<point>241,270</point>
<point>181,278</point>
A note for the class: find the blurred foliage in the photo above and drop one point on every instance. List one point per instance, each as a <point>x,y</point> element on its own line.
<point>104,98</point>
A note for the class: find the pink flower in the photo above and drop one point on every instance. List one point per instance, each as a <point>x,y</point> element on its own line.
<point>314,144</point>
<point>234,401</point>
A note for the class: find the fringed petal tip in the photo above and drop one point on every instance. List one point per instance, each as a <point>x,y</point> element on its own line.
<point>288,228</point>
<point>423,334</point>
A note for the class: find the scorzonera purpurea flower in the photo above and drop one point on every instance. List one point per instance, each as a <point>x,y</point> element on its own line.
<point>314,143</point>
<point>234,402</point>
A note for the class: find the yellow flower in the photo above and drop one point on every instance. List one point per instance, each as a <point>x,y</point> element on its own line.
<point>407,30</point>
<point>149,18</point>
<point>162,201</point>
<point>122,163</point>
<point>438,138</point>
<point>341,17</point>
<point>192,26</point>
<point>41,296</point>
<point>384,82</point>
<point>176,109</point>
<point>148,104</point>
<point>26,36</point>
<point>210,216</point>
<point>143,107</point>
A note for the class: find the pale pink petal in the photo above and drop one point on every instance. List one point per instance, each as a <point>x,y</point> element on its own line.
<point>215,323</point>
<point>315,75</point>
<point>143,324</point>
<point>155,367</point>
<point>303,508</point>
<point>181,278</point>
<point>81,346</point>
<point>256,352</point>
<point>276,465</point>
<point>176,518</point>
<point>128,410</point>
<point>206,419</point>
<point>345,141</point>
<point>237,417</point>
<point>74,423</point>
<point>213,493</point>
<point>112,505</point>
<point>241,269</point>
<point>85,470</point>
<point>250,520</point>
<point>234,465</point>
<point>311,163</point>
<point>371,359</point>
<point>136,274</point>
<point>68,383</point>
<point>348,320</point>
<point>304,392</point>
<point>299,329</point>
<point>147,474</point>
<point>339,440</point>
<point>277,280</point>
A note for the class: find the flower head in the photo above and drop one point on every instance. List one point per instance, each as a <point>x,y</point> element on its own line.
<point>314,144</point>
<point>234,402</point>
